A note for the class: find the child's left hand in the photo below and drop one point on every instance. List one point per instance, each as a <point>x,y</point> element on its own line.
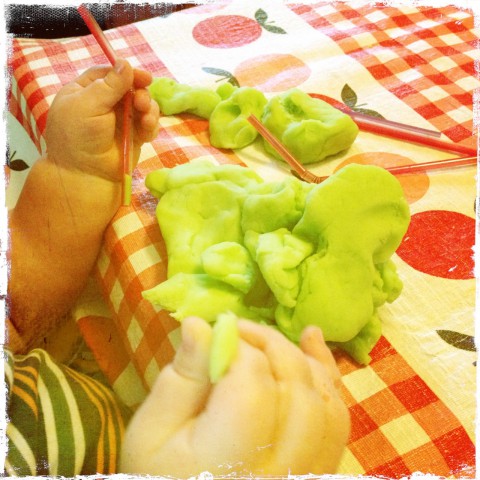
<point>277,411</point>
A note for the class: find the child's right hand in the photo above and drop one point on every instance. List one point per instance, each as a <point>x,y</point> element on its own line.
<point>277,411</point>
<point>84,129</point>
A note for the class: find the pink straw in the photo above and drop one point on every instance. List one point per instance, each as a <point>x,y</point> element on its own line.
<point>365,122</point>
<point>435,165</point>
<point>420,167</point>
<point>368,125</point>
<point>278,146</point>
<point>127,125</point>
<point>308,176</point>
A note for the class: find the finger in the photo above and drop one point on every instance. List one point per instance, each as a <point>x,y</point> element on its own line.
<point>300,430</point>
<point>247,391</point>
<point>141,78</point>
<point>146,126</point>
<point>182,387</point>
<point>327,382</point>
<point>92,74</point>
<point>313,344</point>
<point>141,100</point>
<point>302,409</point>
<point>313,426</point>
<point>287,361</point>
<point>101,95</point>
<point>337,421</point>
<point>83,80</point>
<point>193,356</point>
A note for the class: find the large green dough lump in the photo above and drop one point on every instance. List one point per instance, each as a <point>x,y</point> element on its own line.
<point>285,253</point>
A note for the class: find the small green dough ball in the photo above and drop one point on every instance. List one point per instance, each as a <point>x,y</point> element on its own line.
<point>225,90</point>
<point>310,128</point>
<point>173,98</point>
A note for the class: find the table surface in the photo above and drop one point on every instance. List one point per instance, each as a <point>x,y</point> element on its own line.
<point>413,406</point>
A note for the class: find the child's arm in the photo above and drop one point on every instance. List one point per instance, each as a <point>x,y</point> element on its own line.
<point>277,411</point>
<point>71,195</point>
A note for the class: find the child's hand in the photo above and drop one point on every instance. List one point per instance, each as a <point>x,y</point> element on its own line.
<point>277,410</point>
<point>84,128</point>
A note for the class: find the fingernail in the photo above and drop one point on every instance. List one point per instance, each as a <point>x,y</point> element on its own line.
<point>315,333</point>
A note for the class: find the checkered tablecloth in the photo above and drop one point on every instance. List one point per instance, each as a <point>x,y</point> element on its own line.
<point>413,407</point>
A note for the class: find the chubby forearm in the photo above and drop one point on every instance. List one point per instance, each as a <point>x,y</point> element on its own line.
<point>56,231</point>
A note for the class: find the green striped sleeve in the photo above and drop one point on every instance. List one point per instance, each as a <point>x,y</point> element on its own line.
<point>61,422</point>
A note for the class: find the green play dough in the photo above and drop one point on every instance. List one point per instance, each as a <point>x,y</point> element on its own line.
<point>356,220</point>
<point>225,340</point>
<point>242,270</point>
<point>187,294</point>
<point>286,253</point>
<point>310,128</point>
<point>229,127</point>
<point>173,97</point>
<point>278,255</point>
<point>274,205</point>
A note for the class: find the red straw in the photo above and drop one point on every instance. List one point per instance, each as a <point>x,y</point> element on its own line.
<point>400,131</point>
<point>308,176</point>
<point>364,121</point>
<point>436,165</point>
<point>104,44</point>
<point>280,148</point>
<point>419,167</point>
<point>97,32</point>
<point>413,136</point>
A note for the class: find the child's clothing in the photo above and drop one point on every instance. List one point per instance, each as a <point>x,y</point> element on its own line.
<point>60,422</point>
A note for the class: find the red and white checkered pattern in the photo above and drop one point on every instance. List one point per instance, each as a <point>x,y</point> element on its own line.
<point>421,57</point>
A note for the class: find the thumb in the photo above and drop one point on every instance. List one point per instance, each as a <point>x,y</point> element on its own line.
<point>193,356</point>
<point>182,387</point>
<point>105,93</point>
<point>178,395</point>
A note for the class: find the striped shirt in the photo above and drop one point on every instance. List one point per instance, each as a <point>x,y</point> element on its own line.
<point>60,422</point>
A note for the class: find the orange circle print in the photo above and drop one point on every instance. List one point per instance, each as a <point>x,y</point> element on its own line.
<point>272,73</point>
<point>414,186</point>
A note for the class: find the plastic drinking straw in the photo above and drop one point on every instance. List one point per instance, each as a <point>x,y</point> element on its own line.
<point>308,176</point>
<point>280,148</point>
<point>364,121</point>
<point>419,167</point>
<point>104,44</point>
<point>435,165</point>
<point>401,131</point>
<point>368,125</point>
<point>360,118</point>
